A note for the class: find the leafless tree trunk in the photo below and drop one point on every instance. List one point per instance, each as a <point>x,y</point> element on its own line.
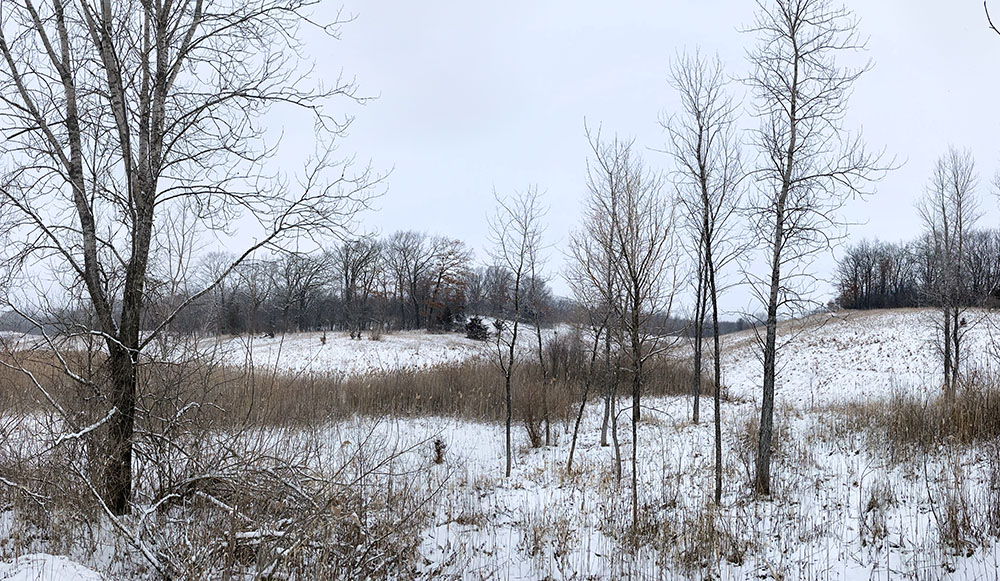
<point>700,306</point>
<point>807,164</point>
<point>593,273</point>
<point>949,210</point>
<point>515,231</point>
<point>643,240</point>
<point>587,383</point>
<point>536,286</point>
<point>610,374</point>
<point>709,173</point>
<point>539,350</point>
<point>614,419</point>
<point>97,157</point>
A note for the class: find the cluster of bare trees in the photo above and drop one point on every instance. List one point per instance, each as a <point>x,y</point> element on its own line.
<point>132,136</point>
<point>407,280</point>
<point>784,204</point>
<point>404,281</point>
<point>626,271</point>
<point>953,266</point>
<point>881,275</point>
<point>709,174</point>
<point>950,209</point>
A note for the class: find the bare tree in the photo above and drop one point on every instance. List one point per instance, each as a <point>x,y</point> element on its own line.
<point>357,262</point>
<point>709,173</point>
<point>949,210</point>
<point>538,300</point>
<point>515,232</point>
<point>409,256</point>
<point>643,238</point>
<point>807,164</point>
<point>116,112</point>
<point>593,276</point>
<point>299,279</point>
<point>446,275</point>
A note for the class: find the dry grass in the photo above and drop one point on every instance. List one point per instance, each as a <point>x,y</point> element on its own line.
<point>197,418</point>
<point>906,423</point>
<point>471,390</point>
<point>248,499</point>
<point>931,438</point>
<point>199,396</point>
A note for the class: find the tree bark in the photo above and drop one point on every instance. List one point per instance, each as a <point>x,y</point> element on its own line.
<point>614,435</point>
<point>607,389</point>
<point>636,387</point>
<point>583,401</point>
<point>717,360</point>
<point>699,324</point>
<point>117,473</point>
<point>762,477</point>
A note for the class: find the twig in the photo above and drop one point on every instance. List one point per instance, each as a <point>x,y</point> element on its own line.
<point>988,19</point>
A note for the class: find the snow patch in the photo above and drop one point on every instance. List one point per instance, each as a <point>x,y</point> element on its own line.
<point>43,567</point>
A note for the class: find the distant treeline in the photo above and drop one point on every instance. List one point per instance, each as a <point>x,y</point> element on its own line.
<point>881,275</point>
<point>407,280</point>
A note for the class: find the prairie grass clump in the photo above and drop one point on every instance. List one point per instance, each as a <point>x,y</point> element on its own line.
<point>907,423</point>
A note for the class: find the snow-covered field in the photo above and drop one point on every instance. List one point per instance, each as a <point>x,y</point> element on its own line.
<point>339,354</point>
<point>852,354</point>
<point>840,508</point>
<point>306,352</point>
<point>543,522</point>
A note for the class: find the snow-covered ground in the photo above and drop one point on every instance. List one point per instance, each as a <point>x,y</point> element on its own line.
<point>840,509</point>
<point>307,352</point>
<point>851,355</point>
<point>827,357</point>
<point>545,523</point>
<point>339,354</point>
<point>42,567</point>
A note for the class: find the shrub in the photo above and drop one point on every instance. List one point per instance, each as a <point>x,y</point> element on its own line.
<point>475,329</point>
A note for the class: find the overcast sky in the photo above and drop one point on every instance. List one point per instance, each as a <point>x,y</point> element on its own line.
<point>474,96</point>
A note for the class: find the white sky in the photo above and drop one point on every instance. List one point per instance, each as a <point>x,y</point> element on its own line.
<point>474,96</point>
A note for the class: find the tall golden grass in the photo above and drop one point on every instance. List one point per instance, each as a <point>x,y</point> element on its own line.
<point>471,390</point>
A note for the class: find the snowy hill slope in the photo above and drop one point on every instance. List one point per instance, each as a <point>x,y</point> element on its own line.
<point>823,357</point>
<point>852,354</point>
